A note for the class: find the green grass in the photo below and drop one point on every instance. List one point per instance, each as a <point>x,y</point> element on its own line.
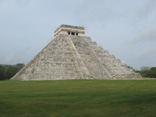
<point>85,98</point>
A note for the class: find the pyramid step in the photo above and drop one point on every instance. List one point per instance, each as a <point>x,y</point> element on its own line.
<point>109,61</point>
<point>88,56</point>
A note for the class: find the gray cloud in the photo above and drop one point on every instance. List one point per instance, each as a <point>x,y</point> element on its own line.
<point>13,58</point>
<point>147,53</point>
<point>111,23</point>
<point>22,3</point>
<point>149,35</point>
<point>147,8</point>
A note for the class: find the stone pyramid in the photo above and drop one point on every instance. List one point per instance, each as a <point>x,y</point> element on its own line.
<point>71,55</point>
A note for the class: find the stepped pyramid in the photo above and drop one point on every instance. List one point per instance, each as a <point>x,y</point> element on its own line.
<point>71,55</point>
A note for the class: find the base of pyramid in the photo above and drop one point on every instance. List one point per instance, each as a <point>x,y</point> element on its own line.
<point>74,57</point>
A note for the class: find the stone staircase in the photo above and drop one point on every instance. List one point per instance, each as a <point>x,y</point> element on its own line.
<point>113,65</point>
<point>89,58</point>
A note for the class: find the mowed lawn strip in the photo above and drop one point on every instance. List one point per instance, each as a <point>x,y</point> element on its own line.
<point>88,98</point>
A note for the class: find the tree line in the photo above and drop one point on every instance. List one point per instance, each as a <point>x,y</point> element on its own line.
<point>148,72</point>
<point>8,71</point>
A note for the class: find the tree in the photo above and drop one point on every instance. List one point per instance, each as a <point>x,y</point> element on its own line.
<point>151,73</point>
<point>146,72</point>
<point>145,68</point>
<point>8,71</point>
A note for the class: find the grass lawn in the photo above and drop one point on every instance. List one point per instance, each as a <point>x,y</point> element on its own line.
<point>85,98</point>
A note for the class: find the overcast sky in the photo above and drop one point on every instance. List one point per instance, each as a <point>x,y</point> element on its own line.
<point>126,28</point>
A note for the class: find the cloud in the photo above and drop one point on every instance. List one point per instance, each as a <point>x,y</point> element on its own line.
<point>94,11</point>
<point>148,35</point>
<point>13,58</point>
<point>147,53</point>
<point>105,11</point>
<point>147,8</point>
<point>109,22</point>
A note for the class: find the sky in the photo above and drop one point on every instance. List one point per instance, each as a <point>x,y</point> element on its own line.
<point>126,28</point>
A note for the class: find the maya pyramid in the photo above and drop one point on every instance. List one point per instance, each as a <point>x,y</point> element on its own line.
<point>72,55</point>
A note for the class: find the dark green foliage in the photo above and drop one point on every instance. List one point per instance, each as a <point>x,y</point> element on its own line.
<point>151,73</point>
<point>78,98</point>
<point>153,68</point>
<point>8,71</point>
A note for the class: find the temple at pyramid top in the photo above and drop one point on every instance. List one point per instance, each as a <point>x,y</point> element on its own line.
<point>69,30</point>
<point>72,55</point>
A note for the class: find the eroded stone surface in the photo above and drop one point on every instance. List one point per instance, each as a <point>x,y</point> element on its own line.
<point>74,57</point>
